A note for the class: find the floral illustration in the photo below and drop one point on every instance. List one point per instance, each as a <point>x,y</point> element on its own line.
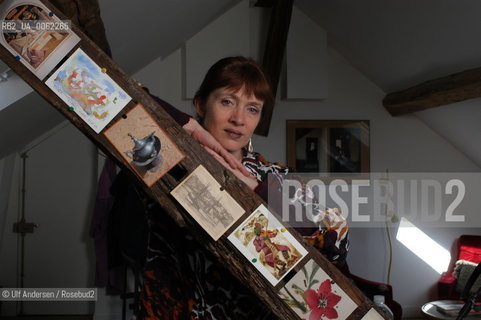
<point>313,295</point>
<point>322,302</point>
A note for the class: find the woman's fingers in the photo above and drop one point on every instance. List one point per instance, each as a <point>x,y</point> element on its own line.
<point>217,157</point>
<point>235,164</point>
<point>249,180</point>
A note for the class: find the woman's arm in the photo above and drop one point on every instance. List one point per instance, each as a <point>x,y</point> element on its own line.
<point>195,130</point>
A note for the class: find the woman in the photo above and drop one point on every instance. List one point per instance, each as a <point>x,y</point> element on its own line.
<point>181,279</point>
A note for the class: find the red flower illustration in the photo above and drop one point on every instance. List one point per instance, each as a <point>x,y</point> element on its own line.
<point>322,302</point>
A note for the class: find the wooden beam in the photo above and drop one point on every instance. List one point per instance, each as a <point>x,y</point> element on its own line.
<point>265,3</point>
<point>434,93</point>
<point>222,249</point>
<point>274,54</point>
<point>86,15</point>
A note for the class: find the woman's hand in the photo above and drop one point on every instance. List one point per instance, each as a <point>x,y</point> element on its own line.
<point>251,182</point>
<point>215,148</point>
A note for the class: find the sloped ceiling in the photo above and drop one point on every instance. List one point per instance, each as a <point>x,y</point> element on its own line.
<point>141,31</point>
<point>399,44</point>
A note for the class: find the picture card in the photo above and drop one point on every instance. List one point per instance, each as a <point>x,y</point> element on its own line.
<point>94,96</point>
<point>38,39</point>
<point>264,241</point>
<point>144,145</point>
<point>312,294</point>
<point>372,314</point>
<point>212,207</point>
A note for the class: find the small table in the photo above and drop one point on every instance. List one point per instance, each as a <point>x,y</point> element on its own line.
<point>430,311</point>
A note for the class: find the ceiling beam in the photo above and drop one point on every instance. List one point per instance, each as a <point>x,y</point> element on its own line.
<point>274,53</point>
<point>265,3</point>
<point>434,93</point>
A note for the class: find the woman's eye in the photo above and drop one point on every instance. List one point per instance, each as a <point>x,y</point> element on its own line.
<point>226,102</point>
<point>253,110</point>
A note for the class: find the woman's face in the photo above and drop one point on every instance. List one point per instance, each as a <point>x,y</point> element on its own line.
<point>231,117</point>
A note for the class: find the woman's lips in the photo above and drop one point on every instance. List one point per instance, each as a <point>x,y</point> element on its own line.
<point>233,134</point>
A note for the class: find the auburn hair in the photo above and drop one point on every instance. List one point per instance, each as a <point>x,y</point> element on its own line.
<point>235,73</point>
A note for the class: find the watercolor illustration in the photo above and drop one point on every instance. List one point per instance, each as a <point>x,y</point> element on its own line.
<point>81,84</point>
<point>267,244</point>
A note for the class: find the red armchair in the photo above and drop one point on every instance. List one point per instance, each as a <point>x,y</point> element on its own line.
<point>469,248</point>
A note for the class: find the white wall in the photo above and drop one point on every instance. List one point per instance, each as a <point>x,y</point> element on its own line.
<point>401,144</point>
<point>224,38</point>
<point>12,90</point>
<point>6,175</point>
<point>458,123</point>
<point>60,185</point>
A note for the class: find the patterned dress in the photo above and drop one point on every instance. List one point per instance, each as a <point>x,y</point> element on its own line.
<point>184,281</point>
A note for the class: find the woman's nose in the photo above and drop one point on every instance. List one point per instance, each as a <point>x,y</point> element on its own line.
<point>237,116</point>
